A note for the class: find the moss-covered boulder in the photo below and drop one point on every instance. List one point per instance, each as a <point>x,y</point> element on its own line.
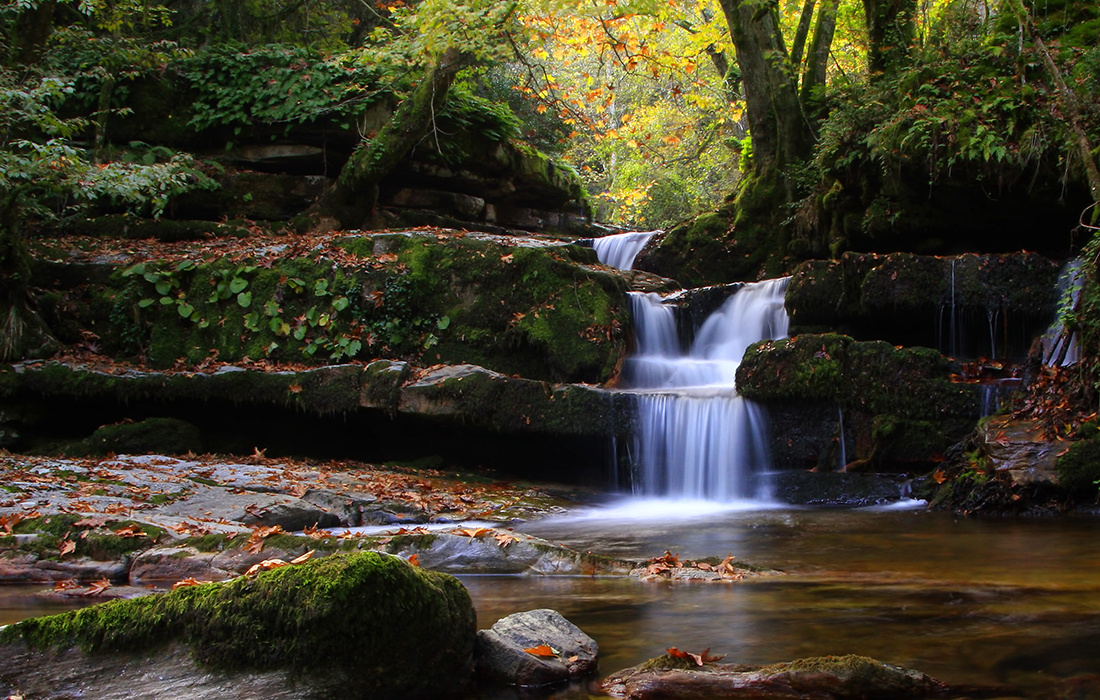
<point>170,436</point>
<point>966,305</point>
<point>360,626</point>
<point>900,402</point>
<point>818,678</point>
<point>706,250</point>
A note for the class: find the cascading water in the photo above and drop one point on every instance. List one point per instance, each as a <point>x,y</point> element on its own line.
<point>695,437</point>
<point>620,249</point>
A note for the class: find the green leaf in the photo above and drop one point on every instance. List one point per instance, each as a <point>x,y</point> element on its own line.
<point>146,303</point>
<point>340,303</point>
<point>185,310</point>
<point>244,299</point>
<point>185,265</point>
<point>271,307</point>
<point>238,285</point>
<point>271,348</point>
<point>165,301</point>
<point>443,323</point>
<point>138,269</point>
<point>151,277</point>
<point>163,287</point>
<point>300,332</point>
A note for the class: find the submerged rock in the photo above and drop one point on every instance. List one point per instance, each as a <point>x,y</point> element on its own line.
<point>818,678</point>
<point>534,648</point>
<point>361,626</point>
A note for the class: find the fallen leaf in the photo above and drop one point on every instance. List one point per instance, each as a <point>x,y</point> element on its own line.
<point>65,585</point>
<point>67,547</point>
<point>130,531</point>
<point>415,560</point>
<point>90,522</point>
<point>265,565</point>
<point>542,650</point>
<point>303,558</point>
<point>97,587</point>
<point>505,538</point>
<point>472,532</point>
<point>189,581</point>
<point>698,659</point>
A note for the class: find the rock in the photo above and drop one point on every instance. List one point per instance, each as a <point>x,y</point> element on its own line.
<point>348,508</point>
<point>494,551</point>
<point>25,567</point>
<point>818,678</point>
<point>1019,448</point>
<point>954,303</point>
<point>360,626</point>
<point>291,514</point>
<point>501,655</point>
<point>171,564</point>
<point>167,436</point>
<point>900,405</point>
<point>834,489</point>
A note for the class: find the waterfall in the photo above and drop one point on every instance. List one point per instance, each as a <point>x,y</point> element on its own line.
<point>619,250</point>
<point>694,437</point>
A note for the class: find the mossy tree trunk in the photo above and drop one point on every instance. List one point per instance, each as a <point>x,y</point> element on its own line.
<point>30,33</point>
<point>20,326</point>
<point>891,29</point>
<point>357,187</point>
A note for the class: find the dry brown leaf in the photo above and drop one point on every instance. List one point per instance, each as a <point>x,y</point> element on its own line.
<point>265,565</point>
<point>130,531</point>
<point>67,547</point>
<point>97,587</point>
<point>472,532</point>
<point>303,558</point>
<point>189,581</point>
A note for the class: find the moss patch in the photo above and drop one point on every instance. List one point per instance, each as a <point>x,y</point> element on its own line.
<point>370,622</point>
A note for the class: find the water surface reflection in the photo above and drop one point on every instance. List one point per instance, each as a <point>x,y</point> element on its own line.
<point>966,600</point>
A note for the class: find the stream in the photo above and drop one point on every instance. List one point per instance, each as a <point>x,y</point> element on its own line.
<point>966,600</point>
<point>969,601</point>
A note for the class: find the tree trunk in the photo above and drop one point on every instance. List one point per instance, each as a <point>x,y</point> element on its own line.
<point>780,132</point>
<point>891,29</point>
<point>813,79</point>
<point>32,30</point>
<point>802,33</point>
<point>372,161</point>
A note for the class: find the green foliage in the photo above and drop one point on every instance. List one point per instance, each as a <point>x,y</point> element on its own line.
<point>277,84</point>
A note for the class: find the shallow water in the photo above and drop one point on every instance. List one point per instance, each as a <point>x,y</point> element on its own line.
<point>965,600</point>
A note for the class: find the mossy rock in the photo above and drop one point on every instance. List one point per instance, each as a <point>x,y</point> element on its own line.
<point>169,436</point>
<point>1078,470</point>
<point>537,310</point>
<point>361,626</point>
<point>704,251</point>
<point>900,402</point>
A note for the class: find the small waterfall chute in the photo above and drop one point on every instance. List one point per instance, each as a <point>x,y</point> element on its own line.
<point>618,250</point>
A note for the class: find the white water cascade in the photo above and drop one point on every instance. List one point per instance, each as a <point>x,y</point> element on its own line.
<point>619,250</point>
<point>695,438</point>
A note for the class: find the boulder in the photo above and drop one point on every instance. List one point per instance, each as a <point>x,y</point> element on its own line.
<point>534,648</point>
<point>360,626</point>
<point>1019,449</point>
<point>171,564</point>
<point>818,678</point>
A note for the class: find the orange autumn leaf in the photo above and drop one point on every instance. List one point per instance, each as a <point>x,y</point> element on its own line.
<point>303,558</point>
<point>97,587</point>
<point>472,532</point>
<point>65,585</point>
<point>697,659</point>
<point>542,650</point>
<point>265,565</point>
<point>189,581</point>
<point>130,531</point>
<point>415,560</point>
<point>67,547</point>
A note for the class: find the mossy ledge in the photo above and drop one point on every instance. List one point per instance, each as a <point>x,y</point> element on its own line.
<point>367,624</point>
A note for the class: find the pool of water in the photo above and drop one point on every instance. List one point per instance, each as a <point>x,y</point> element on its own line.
<point>966,600</point>
<point>969,601</point>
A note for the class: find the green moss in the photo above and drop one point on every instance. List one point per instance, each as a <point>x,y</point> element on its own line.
<point>100,544</point>
<point>1078,470</point>
<point>152,435</point>
<point>368,622</point>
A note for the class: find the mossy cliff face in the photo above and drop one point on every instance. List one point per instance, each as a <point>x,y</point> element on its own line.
<point>977,303</point>
<point>900,402</point>
<point>538,311</point>
<point>364,625</point>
